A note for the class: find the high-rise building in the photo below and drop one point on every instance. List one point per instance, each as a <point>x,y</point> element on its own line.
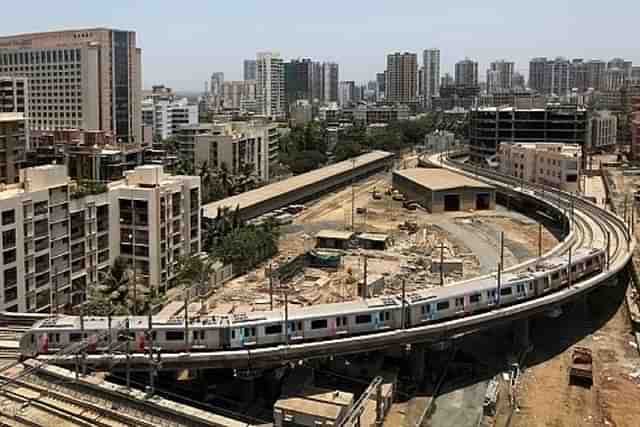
<point>380,86</point>
<point>537,68</point>
<point>621,64</point>
<point>249,69</point>
<point>13,140</point>
<point>615,78</point>
<point>239,94</point>
<point>216,91</point>
<point>431,84</point>
<point>315,79</point>
<point>446,81</point>
<point>500,76</point>
<point>595,74</point>
<point>57,242</point>
<point>347,93</point>
<point>270,87</point>
<point>401,81</point>
<point>467,73</point>
<point>519,81</point>
<point>330,80</point>
<point>297,78</point>
<point>635,74</point>
<point>578,77</point>
<point>84,79</point>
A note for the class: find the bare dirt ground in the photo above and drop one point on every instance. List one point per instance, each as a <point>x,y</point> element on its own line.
<point>545,396</point>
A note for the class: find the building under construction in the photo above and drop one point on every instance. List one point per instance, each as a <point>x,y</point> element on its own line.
<point>489,126</point>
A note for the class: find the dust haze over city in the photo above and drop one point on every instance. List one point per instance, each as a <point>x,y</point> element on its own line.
<point>348,214</point>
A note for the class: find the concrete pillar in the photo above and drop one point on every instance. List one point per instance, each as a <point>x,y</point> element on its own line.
<point>417,361</point>
<point>521,334</point>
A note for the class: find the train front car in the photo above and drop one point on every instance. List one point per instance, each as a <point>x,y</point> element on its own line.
<point>29,345</point>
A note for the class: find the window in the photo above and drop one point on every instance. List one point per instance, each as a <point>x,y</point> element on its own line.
<point>459,302</point>
<point>273,329</point>
<point>8,238</point>
<point>9,256</point>
<point>341,321</point>
<point>174,335</point>
<point>475,298</point>
<point>74,337</point>
<point>505,291</point>
<point>442,305</point>
<point>363,318</point>
<point>319,324</point>
<point>249,332</point>
<point>555,276</point>
<point>198,335</point>
<point>426,308</point>
<point>8,217</point>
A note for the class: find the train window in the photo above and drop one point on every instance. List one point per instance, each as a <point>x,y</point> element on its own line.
<point>233,334</point>
<point>425,308</point>
<point>519,289</point>
<point>319,324</point>
<point>573,268</point>
<point>75,337</point>
<point>363,318</point>
<point>198,335</point>
<point>249,332</point>
<point>33,339</point>
<point>54,337</point>
<point>341,321</point>
<point>174,335</point>
<point>459,302</point>
<point>387,315</point>
<point>442,305</point>
<point>273,329</point>
<point>589,262</point>
<point>555,276</point>
<point>475,298</point>
<point>505,291</point>
<point>530,286</point>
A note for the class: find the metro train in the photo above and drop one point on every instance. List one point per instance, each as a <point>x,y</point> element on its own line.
<point>327,321</point>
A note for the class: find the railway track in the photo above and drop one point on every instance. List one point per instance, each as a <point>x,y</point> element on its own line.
<point>591,227</point>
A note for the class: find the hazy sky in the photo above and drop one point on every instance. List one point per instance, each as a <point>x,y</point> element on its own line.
<point>184,41</point>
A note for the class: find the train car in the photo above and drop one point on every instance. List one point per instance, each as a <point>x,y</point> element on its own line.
<point>253,329</point>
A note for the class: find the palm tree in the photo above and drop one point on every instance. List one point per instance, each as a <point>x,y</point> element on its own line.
<point>194,272</point>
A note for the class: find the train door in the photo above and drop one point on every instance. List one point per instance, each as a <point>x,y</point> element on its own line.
<point>331,325</point>
<point>237,337</point>
<point>198,338</point>
<point>295,330</point>
<point>427,311</point>
<point>467,304</point>
<point>92,342</point>
<point>521,290</point>
<point>140,341</point>
<point>492,297</point>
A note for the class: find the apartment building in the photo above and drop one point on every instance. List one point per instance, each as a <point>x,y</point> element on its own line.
<point>430,75</point>
<point>466,73</point>
<point>500,76</point>
<point>369,114</point>
<point>401,78</point>
<point>270,85</point>
<point>635,127</point>
<point>236,145</point>
<point>13,145</point>
<point>603,127</point>
<point>14,95</point>
<point>553,164</point>
<point>84,79</point>
<point>58,240</point>
<point>165,117</point>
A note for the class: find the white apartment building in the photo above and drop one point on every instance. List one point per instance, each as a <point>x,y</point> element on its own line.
<point>270,90</point>
<point>165,117</point>
<point>431,75</point>
<point>547,163</point>
<point>56,242</point>
<point>603,128</point>
<point>236,145</point>
<point>79,79</point>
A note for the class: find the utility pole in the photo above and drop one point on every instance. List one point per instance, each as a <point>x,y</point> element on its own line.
<point>353,194</point>
<point>570,267</point>
<point>82,333</point>
<point>499,284</point>
<point>271,286</point>
<point>186,320</point>
<point>286,317</point>
<point>365,284</point>
<point>540,240</point>
<point>502,249</point>
<point>441,264</point>
<point>404,320</point>
<point>151,363</point>
<point>128,350</point>
<point>608,248</point>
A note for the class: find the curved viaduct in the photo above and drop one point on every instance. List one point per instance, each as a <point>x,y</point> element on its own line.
<point>589,226</point>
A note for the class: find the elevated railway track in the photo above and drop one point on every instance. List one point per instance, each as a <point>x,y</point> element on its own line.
<point>587,226</point>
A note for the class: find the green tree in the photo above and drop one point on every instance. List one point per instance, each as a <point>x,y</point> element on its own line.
<point>194,272</point>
